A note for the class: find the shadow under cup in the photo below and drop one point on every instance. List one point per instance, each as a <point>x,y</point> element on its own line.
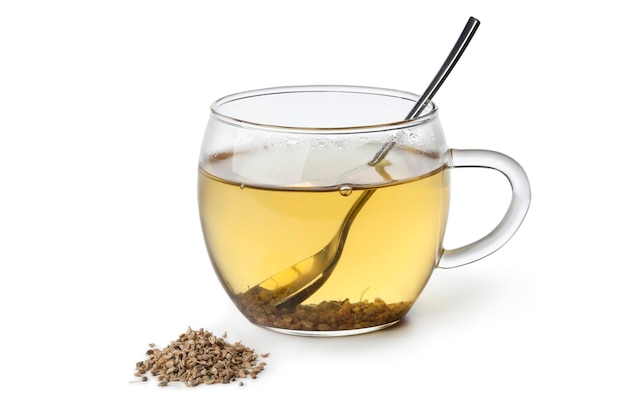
<point>306,233</point>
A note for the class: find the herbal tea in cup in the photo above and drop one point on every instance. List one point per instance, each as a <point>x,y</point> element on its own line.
<point>306,233</point>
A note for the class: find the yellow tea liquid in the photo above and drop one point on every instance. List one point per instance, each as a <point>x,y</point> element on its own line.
<point>254,231</point>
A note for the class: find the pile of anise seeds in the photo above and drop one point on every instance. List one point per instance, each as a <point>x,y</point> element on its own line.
<point>198,357</point>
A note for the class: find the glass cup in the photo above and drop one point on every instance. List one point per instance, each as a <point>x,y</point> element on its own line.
<point>324,211</point>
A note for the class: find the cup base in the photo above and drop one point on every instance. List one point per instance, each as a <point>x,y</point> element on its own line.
<point>330,333</point>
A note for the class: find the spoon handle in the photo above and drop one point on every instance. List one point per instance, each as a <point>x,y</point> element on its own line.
<point>446,68</point>
<point>464,39</point>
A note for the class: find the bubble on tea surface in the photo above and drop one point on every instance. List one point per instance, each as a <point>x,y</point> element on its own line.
<point>242,186</point>
<point>345,190</point>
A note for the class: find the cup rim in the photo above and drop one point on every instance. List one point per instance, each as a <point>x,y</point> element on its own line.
<point>428,114</point>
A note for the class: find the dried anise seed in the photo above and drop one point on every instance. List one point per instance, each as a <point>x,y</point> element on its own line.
<point>198,357</point>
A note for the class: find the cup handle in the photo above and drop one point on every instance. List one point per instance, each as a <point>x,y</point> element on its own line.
<point>514,216</point>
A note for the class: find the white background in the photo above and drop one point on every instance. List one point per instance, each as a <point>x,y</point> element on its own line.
<point>103,107</point>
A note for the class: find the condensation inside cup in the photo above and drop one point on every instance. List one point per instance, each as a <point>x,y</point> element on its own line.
<point>323,162</point>
<point>320,139</point>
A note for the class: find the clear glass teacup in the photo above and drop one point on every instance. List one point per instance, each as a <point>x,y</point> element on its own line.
<point>324,211</point>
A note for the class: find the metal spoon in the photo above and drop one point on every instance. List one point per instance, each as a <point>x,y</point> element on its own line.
<point>295,284</point>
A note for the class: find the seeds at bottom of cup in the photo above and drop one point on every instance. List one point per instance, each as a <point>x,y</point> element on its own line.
<point>325,316</point>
